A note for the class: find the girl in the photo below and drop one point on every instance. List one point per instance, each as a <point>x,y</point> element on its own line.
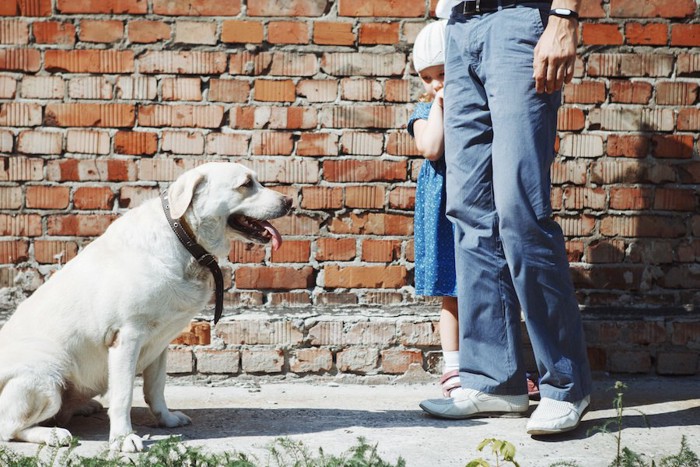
<point>434,244</point>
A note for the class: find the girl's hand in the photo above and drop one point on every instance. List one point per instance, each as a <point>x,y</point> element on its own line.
<point>439,97</point>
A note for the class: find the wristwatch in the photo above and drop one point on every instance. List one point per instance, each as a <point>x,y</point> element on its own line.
<point>563,13</point>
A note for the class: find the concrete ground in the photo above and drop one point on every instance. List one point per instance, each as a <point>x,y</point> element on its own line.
<point>246,416</point>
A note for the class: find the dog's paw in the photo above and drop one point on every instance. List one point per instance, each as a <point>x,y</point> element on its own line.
<point>127,443</point>
<point>173,419</point>
<point>59,437</point>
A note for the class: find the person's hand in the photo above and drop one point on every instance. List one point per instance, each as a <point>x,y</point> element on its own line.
<point>440,97</point>
<point>555,55</point>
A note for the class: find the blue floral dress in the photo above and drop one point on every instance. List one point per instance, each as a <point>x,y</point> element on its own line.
<point>434,237</point>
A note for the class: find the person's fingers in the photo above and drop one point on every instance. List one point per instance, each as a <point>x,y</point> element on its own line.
<point>560,76</point>
<point>551,77</point>
<point>539,73</point>
<point>570,71</point>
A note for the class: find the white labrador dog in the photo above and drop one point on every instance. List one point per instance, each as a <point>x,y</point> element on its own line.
<point>111,312</point>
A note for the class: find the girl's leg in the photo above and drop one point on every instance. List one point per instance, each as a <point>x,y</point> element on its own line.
<point>449,340</point>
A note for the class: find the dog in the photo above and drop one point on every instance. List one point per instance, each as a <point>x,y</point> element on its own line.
<point>110,313</point>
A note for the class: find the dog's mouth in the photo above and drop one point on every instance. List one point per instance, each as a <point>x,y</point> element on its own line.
<point>255,229</point>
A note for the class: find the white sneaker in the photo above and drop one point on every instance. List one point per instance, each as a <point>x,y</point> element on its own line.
<point>468,403</point>
<point>553,416</point>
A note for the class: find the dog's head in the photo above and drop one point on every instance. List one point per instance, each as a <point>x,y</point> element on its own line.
<point>223,201</point>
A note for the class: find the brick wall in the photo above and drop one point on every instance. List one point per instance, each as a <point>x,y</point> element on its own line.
<point>102,103</point>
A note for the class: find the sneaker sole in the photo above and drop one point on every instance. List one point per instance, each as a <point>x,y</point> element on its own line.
<point>475,415</point>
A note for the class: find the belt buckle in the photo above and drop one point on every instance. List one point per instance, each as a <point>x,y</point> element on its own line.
<point>471,7</point>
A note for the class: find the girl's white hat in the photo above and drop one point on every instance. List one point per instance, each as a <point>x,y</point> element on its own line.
<point>429,49</point>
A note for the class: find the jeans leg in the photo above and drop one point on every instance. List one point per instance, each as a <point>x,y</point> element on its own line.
<point>524,127</point>
<point>489,317</point>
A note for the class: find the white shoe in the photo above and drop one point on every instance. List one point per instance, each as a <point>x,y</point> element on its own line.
<point>553,416</point>
<point>468,403</point>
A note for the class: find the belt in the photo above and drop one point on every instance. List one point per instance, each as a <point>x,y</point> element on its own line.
<point>475,7</point>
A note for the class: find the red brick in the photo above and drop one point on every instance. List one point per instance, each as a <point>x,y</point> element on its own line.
<point>21,225</point>
<point>672,146</point>
<point>106,31</point>
<point>397,361</point>
<point>317,144</point>
<point>378,8</point>
<point>336,249</point>
<point>288,32</point>
<point>635,146</point>
<point>147,32</point>
<point>91,170</point>
<point>40,142</point>
<point>349,170</point>
<point>685,35</point>
<point>84,225</point>
<point>372,224</point>
<point>646,34</point>
<point>382,277</point>
<point>93,198</point>
<point>90,115</point>
<point>674,199</point>
<point>13,251</point>
<point>262,361</point>
<point>630,198</point>
<point>676,93</point>
<point>321,197</point>
<point>8,88</point>
<point>271,143</point>
<point>25,8</point>
<point>182,62</point>
<point>688,119</point>
<point>227,144</point>
<point>381,251</point>
<point>244,252</point>
<point>181,89</point>
<point>402,198</point>
<point>47,197</point>
<point>18,168</point>
<point>379,33</point>
<point>134,7</point>
<point>311,361</point>
<point>197,116</point>
<point>54,251</point>
<point>11,197</point>
<point>570,119</point>
<point>630,92</point>
<point>322,90</point>
<point>20,59</point>
<point>43,87</point>
<point>196,7</point>
<point>195,32</point>
<point>358,359</point>
<point>196,333</point>
<point>601,34</point>
<point>133,196</point>
<point>354,89</point>
<point>292,251</point>
<point>287,8</point>
<point>364,196</point>
<point>267,90</point>
<point>255,331</point>
<point>586,92</point>
<point>652,8</point>
<point>333,33</point>
<point>274,278</point>
<point>242,32</point>
<point>89,61</point>
<point>138,143</point>
<point>14,32</point>
<point>228,90</point>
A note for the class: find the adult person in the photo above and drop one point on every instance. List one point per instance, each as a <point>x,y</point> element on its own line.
<point>505,63</point>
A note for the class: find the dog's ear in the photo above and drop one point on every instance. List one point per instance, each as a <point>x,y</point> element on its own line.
<point>182,191</point>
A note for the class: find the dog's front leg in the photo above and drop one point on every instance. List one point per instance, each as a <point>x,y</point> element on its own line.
<point>153,388</point>
<point>123,355</point>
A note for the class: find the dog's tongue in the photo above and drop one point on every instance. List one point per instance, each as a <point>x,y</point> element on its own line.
<point>276,237</point>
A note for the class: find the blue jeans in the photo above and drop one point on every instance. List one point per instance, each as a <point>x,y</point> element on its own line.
<point>510,254</point>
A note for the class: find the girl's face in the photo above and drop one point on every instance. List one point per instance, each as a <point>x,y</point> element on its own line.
<point>433,78</point>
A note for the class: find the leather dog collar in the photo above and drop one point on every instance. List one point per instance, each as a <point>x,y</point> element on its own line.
<point>203,257</point>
